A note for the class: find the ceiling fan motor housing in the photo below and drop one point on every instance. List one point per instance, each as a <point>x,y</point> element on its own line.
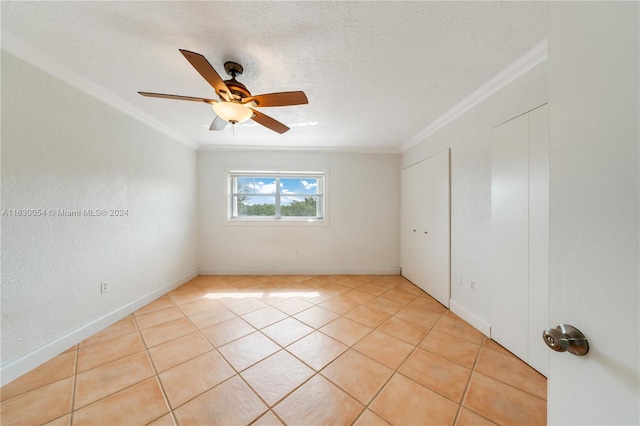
<point>238,89</point>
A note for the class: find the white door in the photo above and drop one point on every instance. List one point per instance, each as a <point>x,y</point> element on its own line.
<point>520,230</point>
<point>425,226</point>
<point>538,317</point>
<point>509,235</point>
<point>410,243</point>
<point>440,233</point>
<point>594,223</point>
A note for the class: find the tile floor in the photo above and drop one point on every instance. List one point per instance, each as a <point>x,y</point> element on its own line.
<point>271,350</point>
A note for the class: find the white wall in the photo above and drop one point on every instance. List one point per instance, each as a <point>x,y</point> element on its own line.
<point>364,217</point>
<point>469,137</point>
<point>594,236</point>
<point>62,149</point>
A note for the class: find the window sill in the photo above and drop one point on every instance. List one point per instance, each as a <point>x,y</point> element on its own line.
<point>276,222</point>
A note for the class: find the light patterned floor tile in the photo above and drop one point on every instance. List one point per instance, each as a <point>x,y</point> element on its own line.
<point>444,377</point>
<point>316,316</point>
<point>454,349</point>
<point>267,419</point>
<point>40,405</point>
<point>345,331</point>
<point>367,316</point>
<point>317,349</point>
<point>385,349</point>
<point>54,370</point>
<point>369,418</point>
<point>385,305</point>
<point>112,377</point>
<point>512,371</point>
<point>276,376</point>
<point>294,305</point>
<point>264,317</point>
<point>163,302</point>
<point>230,403</point>
<point>158,317</point>
<point>138,404</point>
<point>504,404</point>
<point>405,402</point>
<point>467,417</point>
<point>126,325</point>
<point>419,316</point>
<point>248,350</point>
<point>174,352</point>
<point>111,350</point>
<point>189,379</point>
<point>184,351</point>
<point>318,402</point>
<point>244,306</point>
<point>403,330</point>
<point>168,331</point>
<point>227,331</point>
<point>358,375</point>
<point>212,316</point>
<point>453,325</point>
<point>287,331</point>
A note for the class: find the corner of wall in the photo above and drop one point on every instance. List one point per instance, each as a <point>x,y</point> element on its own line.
<point>42,354</point>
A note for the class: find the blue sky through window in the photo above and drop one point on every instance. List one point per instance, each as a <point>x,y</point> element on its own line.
<point>265,187</point>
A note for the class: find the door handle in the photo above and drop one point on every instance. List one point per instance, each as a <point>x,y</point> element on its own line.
<point>566,338</point>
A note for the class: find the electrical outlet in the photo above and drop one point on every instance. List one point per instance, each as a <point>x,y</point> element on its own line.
<point>472,285</point>
<point>103,287</point>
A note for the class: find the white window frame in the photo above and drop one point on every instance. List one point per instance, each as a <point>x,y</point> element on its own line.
<point>323,201</point>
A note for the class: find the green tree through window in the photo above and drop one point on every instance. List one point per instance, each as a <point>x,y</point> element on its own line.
<point>307,207</point>
<point>277,196</point>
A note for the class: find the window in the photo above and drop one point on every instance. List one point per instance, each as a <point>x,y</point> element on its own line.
<point>268,196</point>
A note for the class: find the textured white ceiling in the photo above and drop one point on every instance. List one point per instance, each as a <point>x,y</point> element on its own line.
<point>375,73</point>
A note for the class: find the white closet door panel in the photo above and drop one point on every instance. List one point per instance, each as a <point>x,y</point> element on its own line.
<point>409,240</point>
<point>509,212</point>
<point>441,229</point>
<point>425,227</point>
<point>538,236</point>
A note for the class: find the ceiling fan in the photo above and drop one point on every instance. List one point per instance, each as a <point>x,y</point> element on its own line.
<point>236,103</point>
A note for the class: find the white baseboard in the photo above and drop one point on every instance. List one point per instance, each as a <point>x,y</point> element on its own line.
<point>472,319</point>
<point>297,271</point>
<point>43,354</point>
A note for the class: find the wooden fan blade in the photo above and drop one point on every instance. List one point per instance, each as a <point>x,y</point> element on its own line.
<point>268,122</point>
<point>205,69</point>
<point>178,97</point>
<point>218,124</point>
<point>278,99</point>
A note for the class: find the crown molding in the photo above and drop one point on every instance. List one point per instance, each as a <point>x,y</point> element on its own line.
<point>23,50</point>
<point>336,149</point>
<point>524,64</point>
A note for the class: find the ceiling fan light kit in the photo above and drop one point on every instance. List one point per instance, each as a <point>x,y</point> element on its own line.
<point>232,112</point>
<point>236,103</point>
